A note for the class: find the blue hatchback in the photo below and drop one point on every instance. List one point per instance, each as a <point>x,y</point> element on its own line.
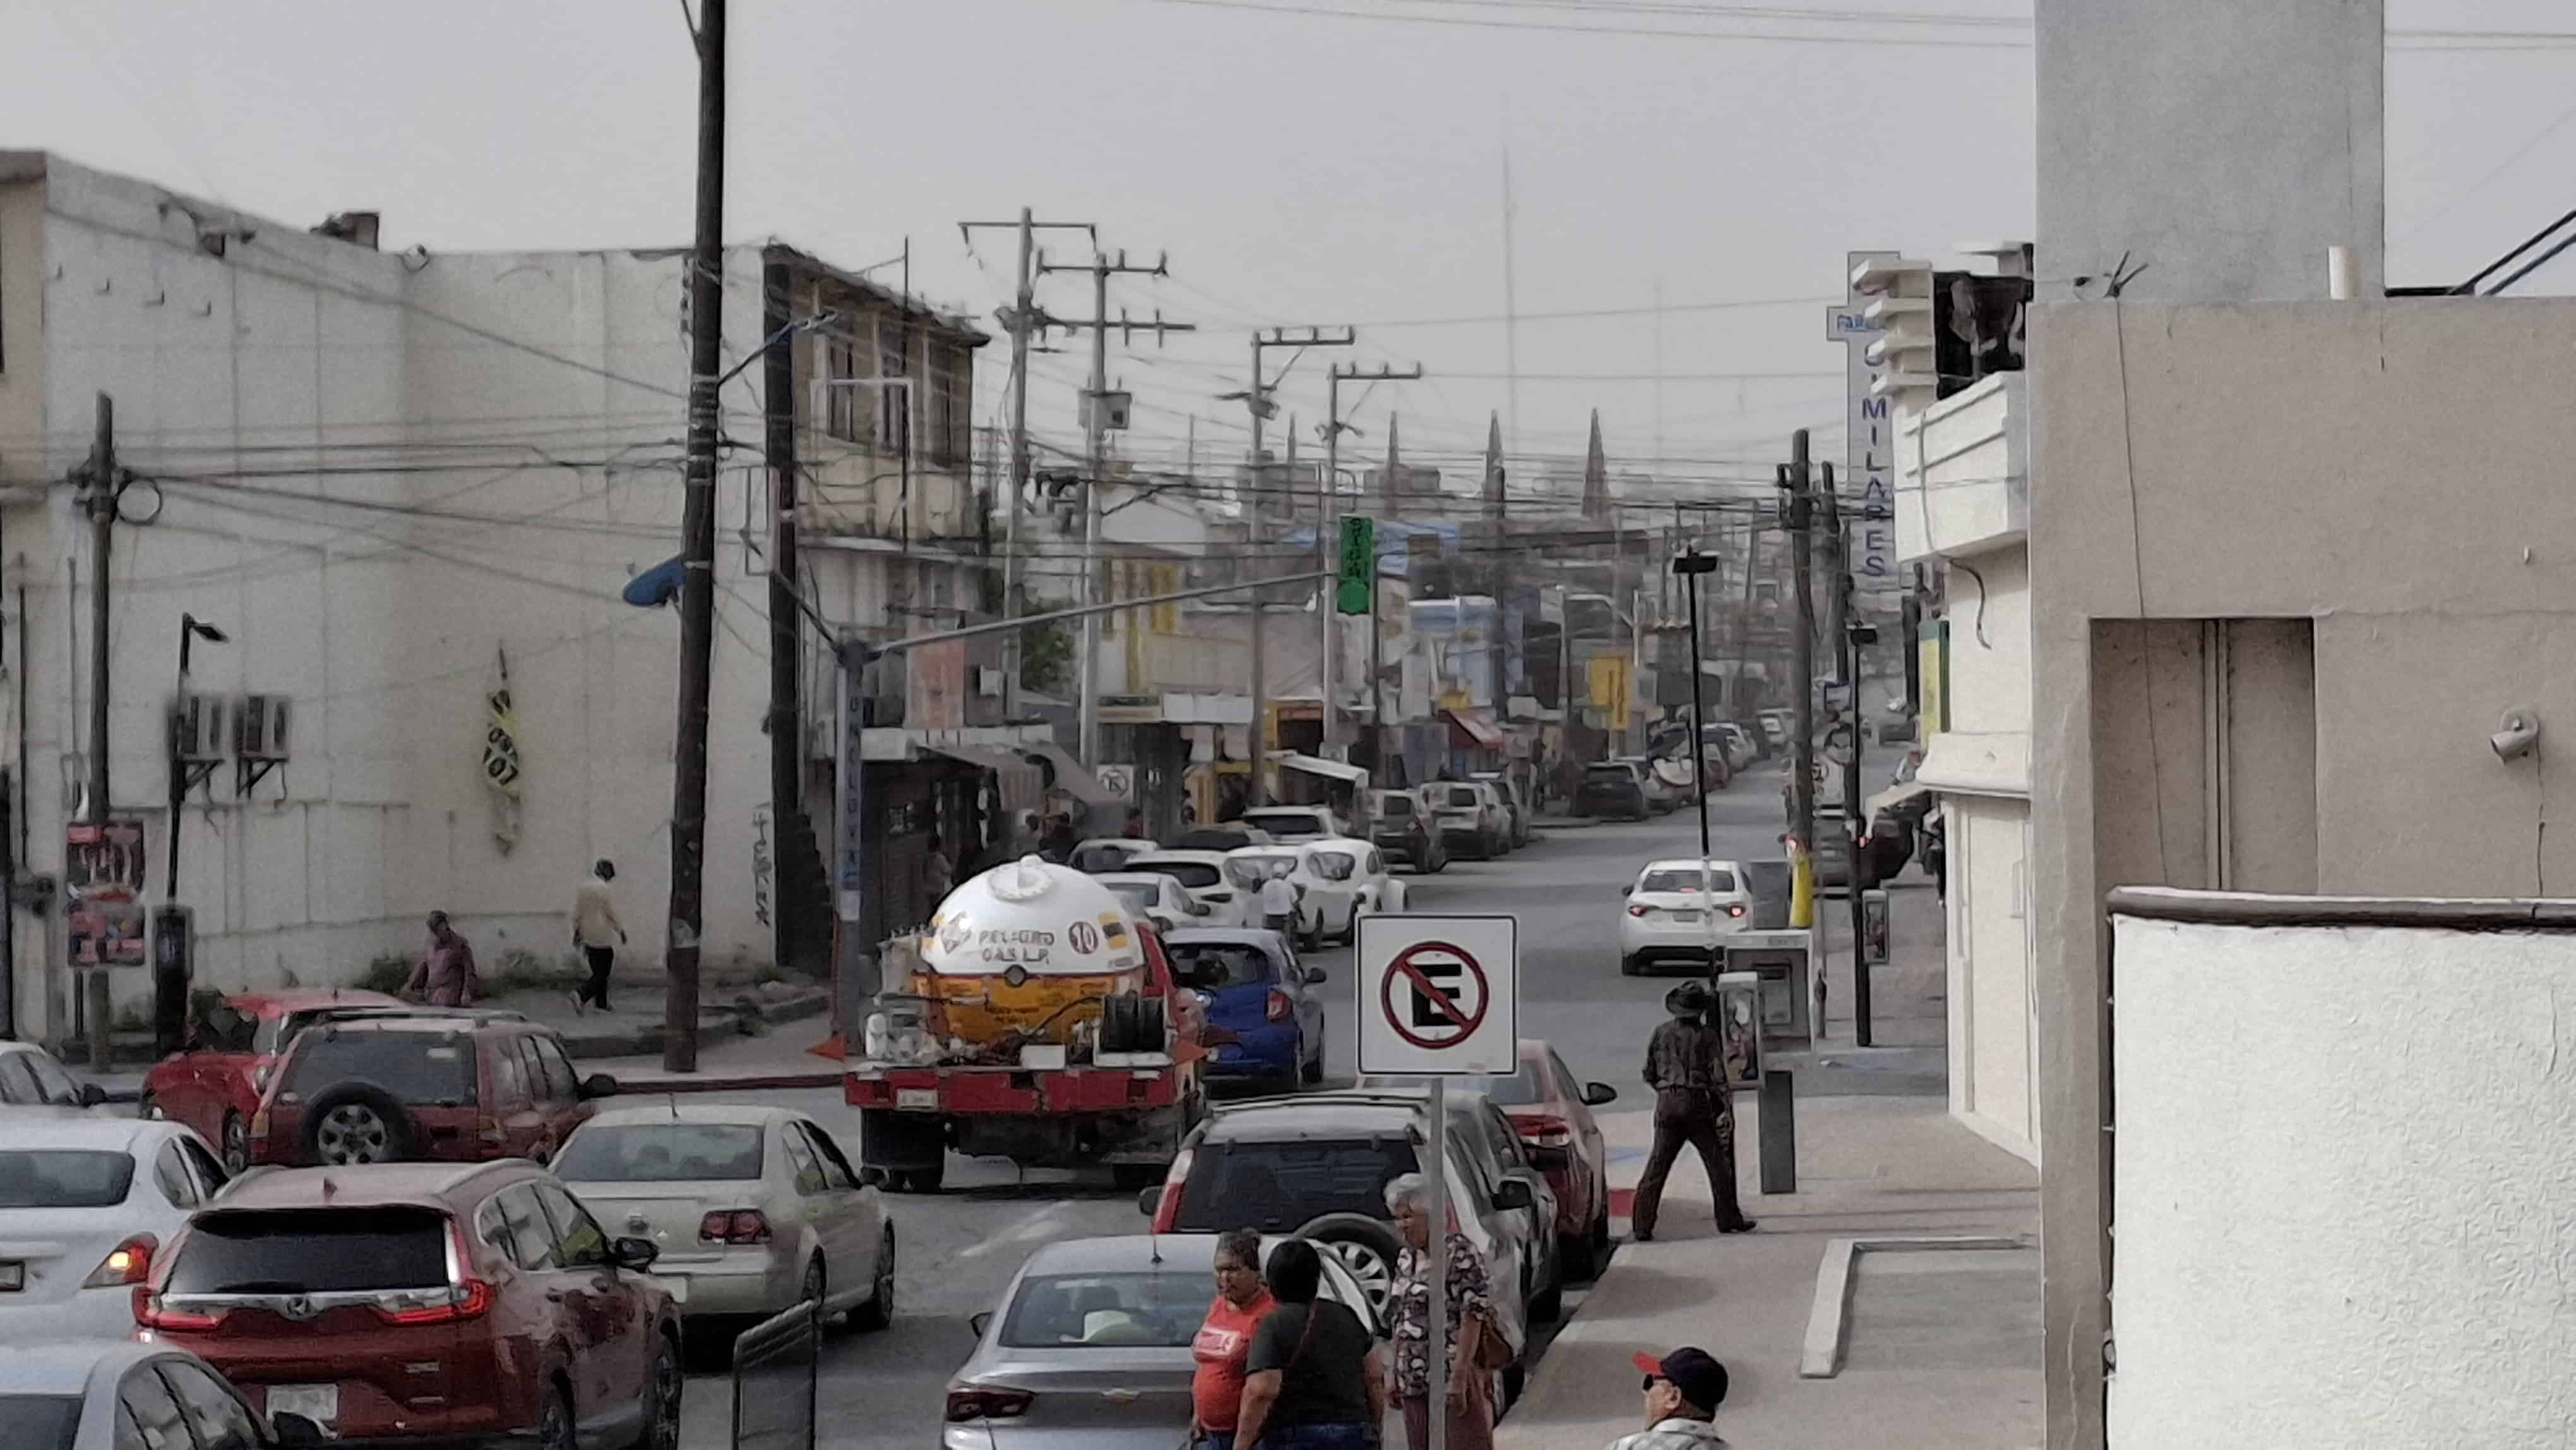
<point>1266,1021</point>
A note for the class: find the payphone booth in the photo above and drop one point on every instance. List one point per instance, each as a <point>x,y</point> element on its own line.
<point>1782,962</point>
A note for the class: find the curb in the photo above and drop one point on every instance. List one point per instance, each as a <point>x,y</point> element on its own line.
<point>1829,1318</point>
<point>712,1022</point>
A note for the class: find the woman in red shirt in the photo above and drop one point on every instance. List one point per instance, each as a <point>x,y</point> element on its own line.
<point>1216,1387</point>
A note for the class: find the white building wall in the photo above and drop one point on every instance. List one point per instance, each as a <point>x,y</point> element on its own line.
<point>1992,1040</point>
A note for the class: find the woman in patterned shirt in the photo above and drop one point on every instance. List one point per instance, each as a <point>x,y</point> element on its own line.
<point>1470,1323</point>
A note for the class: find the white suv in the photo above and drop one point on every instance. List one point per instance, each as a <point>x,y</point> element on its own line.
<point>1666,919</point>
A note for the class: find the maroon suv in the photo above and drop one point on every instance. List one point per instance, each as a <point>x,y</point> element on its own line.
<point>459,1086</point>
<point>424,1301</point>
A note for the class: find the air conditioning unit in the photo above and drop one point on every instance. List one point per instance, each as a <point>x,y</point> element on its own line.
<point>197,729</point>
<point>259,727</point>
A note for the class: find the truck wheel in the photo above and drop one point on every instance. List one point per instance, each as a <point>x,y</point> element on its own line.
<point>923,1180</point>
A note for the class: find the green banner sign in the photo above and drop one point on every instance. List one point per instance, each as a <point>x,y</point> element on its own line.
<point>1352,594</point>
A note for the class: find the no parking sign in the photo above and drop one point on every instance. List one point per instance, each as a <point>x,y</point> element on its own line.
<point>1439,995</point>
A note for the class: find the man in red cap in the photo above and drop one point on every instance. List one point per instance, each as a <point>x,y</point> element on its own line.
<point>1683,1391</point>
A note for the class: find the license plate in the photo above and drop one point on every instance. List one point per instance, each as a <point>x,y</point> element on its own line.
<point>318,1403</point>
<point>13,1276</point>
<point>916,1097</point>
<point>1686,917</point>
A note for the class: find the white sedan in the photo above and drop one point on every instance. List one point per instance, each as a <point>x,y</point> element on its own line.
<point>1667,919</point>
<point>1159,899</point>
<point>1362,867</point>
<point>85,1204</point>
<point>1327,905</point>
<point>1202,874</point>
<point>754,1209</point>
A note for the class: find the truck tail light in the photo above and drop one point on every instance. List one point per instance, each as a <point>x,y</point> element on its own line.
<point>1280,1008</point>
<point>737,1226</point>
<point>128,1263</point>
<point>987,1402</point>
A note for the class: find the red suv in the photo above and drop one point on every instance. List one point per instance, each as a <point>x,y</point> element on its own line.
<point>459,1086</point>
<point>214,1085</point>
<point>424,1301</point>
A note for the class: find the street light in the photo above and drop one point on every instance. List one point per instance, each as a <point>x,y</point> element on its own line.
<point>1690,566</point>
<point>172,927</point>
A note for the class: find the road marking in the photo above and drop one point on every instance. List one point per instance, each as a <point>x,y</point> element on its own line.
<point>1038,1224</point>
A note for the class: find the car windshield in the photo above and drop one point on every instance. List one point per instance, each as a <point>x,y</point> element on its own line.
<point>1518,1089</point>
<point>1686,879</point>
<point>1099,860</point>
<point>1209,966</point>
<point>1336,865</point>
<point>662,1153</point>
<point>1107,1311</point>
<point>45,1422</point>
<point>1196,875</point>
<point>311,1251</point>
<point>1251,871</point>
<point>1141,897</point>
<point>1279,1187</point>
<point>64,1178</point>
<point>418,1068</point>
<point>1462,797</point>
<point>1395,805</point>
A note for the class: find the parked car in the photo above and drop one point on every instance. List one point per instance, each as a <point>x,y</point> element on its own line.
<point>30,1078</point>
<point>1737,742</point>
<point>1776,724</point>
<point>114,1394</point>
<point>1667,784</point>
<point>457,1086</point>
<point>1518,806</point>
<point>1082,1312</point>
<point>86,1200</point>
<point>1297,823</point>
<point>1102,855</point>
<point>213,1085</point>
<point>1265,1017</point>
<point>1157,898</point>
<point>1202,875</point>
<point>1221,837</point>
<point>1402,826</point>
<point>1363,868</point>
<point>1553,1115</point>
<point>425,1302</point>
<point>751,1210</point>
<point>1612,790</point>
<point>1666,919</point>
<point>1470,815</point>
<point>1317,1166</point>
<point>1327,907</point>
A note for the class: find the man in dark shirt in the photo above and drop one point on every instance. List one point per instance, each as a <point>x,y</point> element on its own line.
<point>1686,1066</point>
<point>1310,1381</point>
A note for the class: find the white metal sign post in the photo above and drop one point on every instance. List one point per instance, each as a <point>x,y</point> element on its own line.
<point>1439,997</point>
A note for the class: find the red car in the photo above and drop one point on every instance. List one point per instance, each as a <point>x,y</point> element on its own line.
<point>214,1086</point>
<point>1552,1113</point>
<point>461,1086</point>
<point>424,1301</point>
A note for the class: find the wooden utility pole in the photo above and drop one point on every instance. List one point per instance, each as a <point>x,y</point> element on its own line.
<point>697,550</point>
<point>1802,645</point>
<point>1257,399</point>
<point>786,621</point>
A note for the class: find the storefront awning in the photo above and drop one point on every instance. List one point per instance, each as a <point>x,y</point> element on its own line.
<point>1016,779</point>
<point>1318,765</point>
<point>1073,779</point>
<point>1479,727</point>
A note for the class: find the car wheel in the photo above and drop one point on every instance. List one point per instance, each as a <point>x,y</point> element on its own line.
<point>554,1419</point>
<point>354,1125</point>
<point>1549,1305</point>
<point>1366,1247</point>
<point>1601,1231</point>
<point>923,1180</point>
<point>812,1291</point>
<point>878,1312</point>
<point>662,1411</point>
<point>1312,1071</point>
<point>236,1144</point>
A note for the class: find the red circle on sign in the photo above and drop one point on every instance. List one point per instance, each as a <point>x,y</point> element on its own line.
<point>1403,967</point>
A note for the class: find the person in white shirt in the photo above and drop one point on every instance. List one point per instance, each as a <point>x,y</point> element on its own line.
<point>1279,905</point>
<point>596,934</point>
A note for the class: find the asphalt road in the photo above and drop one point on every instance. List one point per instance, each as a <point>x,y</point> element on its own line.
<point>957,1251</point>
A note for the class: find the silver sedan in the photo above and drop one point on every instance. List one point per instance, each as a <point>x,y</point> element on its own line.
<point>108,1394</point>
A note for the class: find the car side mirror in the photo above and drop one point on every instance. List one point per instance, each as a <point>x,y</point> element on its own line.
<point>599,1085</point>
<point>1147,1201</point>
<point>872,1176</point>
<point>91,1095</point>
<point>1597,1093</point>
<point>633,1253</point>
<point>979,1321</point>
<point>293,1429</point>
<point>1512,1193</point>
<point>1315,976</point>
<point>1627,890</point>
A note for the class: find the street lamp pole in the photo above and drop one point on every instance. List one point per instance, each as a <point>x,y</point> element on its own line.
<point>171,964</point>
<point>1690,566</point>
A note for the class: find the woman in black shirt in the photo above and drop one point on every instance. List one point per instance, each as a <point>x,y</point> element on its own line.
<point>1312,1381</point>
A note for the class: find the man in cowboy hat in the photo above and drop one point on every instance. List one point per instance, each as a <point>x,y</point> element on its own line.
<point>1686,1066</point>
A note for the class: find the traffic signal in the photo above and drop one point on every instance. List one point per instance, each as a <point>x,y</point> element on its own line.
<point>1353,592</point>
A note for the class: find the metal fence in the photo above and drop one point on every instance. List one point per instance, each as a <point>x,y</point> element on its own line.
<point>776,1366</point>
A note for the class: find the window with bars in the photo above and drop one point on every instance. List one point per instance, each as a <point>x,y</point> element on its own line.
<point>893,339</point>
<point>844,407</point>
<point>946,416</point>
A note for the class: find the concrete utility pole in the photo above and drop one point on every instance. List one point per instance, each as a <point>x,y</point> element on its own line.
<point>1847,672</point>
<point>1257,401</point>
<point>697,549</point>
<point>1802,645</point>
<point>1095,430</point>
<point>1022,319</point>
<point>101,482</point>
<point>1327,514</point>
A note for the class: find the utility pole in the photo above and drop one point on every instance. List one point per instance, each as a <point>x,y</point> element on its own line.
<point>1910,621</point>
<point>1257,401</point>
<point>786,621</point>
<point>1095,431</point>
<point>697,550</point>
<point>1847,675</point>
<point>1802,729</point>
<point>1021,321</point>
<point>101,482</point>
<point>1326,513</point>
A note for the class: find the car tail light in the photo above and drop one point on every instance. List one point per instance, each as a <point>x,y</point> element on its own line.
<point>1639,910</point>
<point>150,1312</point>
<point>1167,1208</point>
<point>1736,909</point>
<point>734,1226</point>
<point>467,1297</point>
<point>128,1263</point>
<point>1546,1132</point>
<point>981,1402</point>
<point>1280,1008</point>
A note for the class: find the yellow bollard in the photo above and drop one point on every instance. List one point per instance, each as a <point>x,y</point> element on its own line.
<point>1802,887</point>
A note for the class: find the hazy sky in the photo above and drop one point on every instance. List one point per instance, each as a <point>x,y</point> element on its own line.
<point>1298,167</point>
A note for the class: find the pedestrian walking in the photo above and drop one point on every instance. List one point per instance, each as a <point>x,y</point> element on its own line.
<point>596,934</point>
<point>1279,904</point>
<point>1311,1381</point>
<point>444,976</point>
<point>1694,1105</point>
<point>1683,1390</point>
<point>1475,1348</point>
<point>1060,839</point>
<point>1224,1341</point>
